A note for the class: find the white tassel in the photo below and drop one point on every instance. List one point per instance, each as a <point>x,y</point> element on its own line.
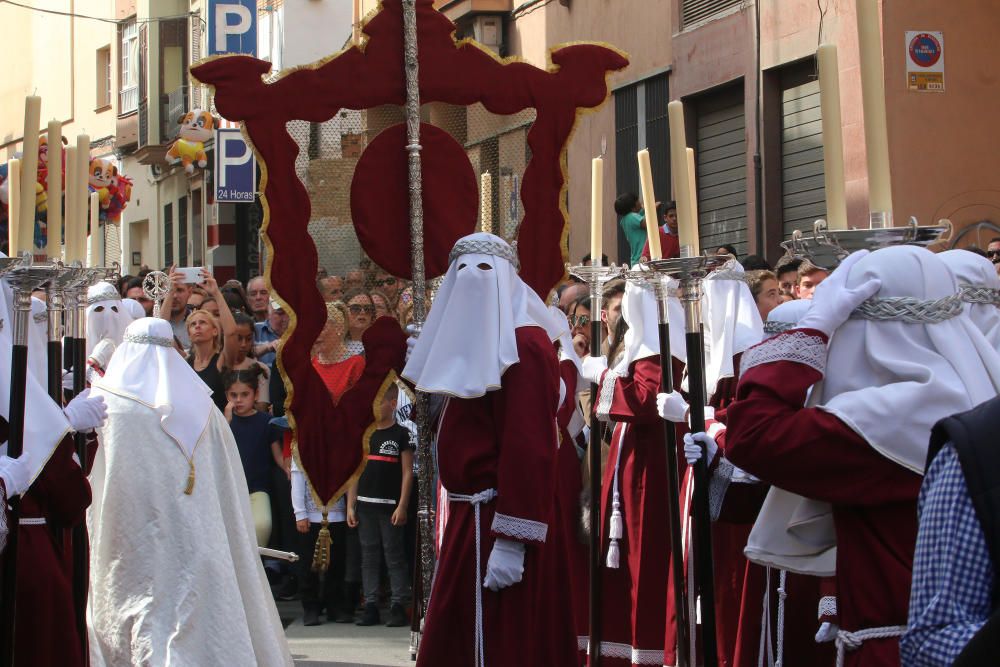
<point>612,561</point>
<point>616,528</point>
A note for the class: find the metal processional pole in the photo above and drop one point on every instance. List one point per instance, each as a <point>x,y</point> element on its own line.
<point>425,461</point>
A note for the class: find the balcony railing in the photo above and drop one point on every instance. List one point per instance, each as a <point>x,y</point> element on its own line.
<point>128,100</point>
<point>173,105</point>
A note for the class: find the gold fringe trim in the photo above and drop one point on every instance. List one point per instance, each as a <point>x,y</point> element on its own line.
<point>189,489</point>
<point>321,554</point>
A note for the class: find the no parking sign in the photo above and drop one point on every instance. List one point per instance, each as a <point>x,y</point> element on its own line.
<point>925,61</point>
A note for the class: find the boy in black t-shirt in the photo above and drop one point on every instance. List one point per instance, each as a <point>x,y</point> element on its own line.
<point>377,505</point>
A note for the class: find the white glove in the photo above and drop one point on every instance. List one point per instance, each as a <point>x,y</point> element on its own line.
<point>15,475</point>
<point>68,380</point>
<point>672,407</point>
<point>101,356</point>
<point>693,449</point>
<point>85,413</point>
<point>593,368</point>
<point>411,341</point>
<point>506,565</point>
<point>834,301</point>
<point>827,631</point>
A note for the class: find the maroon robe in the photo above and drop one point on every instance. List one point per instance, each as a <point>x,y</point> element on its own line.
<point>505,440</point>
<point>45,629</point>
<point>637,602</point>
<point>670,247</point>
<point>812,453</point>
<point>569,484</point>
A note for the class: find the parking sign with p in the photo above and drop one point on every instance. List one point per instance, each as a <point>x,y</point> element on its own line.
<point>232,27</point>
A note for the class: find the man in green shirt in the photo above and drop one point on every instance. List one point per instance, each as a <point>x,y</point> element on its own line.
<point>628,208</point>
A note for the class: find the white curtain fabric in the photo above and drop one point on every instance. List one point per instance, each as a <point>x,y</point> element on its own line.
<point>468,340</point>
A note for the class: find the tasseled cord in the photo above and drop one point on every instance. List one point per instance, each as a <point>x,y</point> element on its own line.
<point>616,528</point>
<point>321,554</point>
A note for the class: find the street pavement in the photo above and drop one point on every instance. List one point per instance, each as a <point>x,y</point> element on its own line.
<point>342,644</point>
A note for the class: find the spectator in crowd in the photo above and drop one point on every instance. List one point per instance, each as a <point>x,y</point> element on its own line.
<point>329,591</point>
<point>381,302</point>
<point>586,260</point>
<point>267,334</point>
<point>235,301</point>
<point>787,272</point>
<point>611,306</point>
<point>726,249</point>
<point>354,280</point>
<point>667,212</point>
<point>196,297</point>
<point>628,207</point>
<point>331,288</point>
<point>243,359</point>
<point>993,252</point>
<point>213,345</point>
<point>174,306</point>
<point>755,263</point>
<point>579,322</point>
<point>387,284</point>
<point>259,296</point>
<point>360,315</point>
<point>810,276</point>
<point>321,273</point>
<point>209,304</point>
<point>764,288</point>
<point>404,309</point>
<point>670,246</point>
<point>335,364</point>
<point>133,290</point>
<point>258,442</point>
<point>377,506</point>
<point>570,293</point>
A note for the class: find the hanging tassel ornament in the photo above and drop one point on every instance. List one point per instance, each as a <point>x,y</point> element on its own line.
<point>321,555</point>
<point>613,555</point>
<point>189,489</point>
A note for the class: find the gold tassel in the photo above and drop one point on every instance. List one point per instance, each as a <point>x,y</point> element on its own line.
<point>189,489</point>
<point>321,555</point>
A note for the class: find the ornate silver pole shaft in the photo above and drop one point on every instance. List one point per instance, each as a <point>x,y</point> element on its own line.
<point>425,459</point>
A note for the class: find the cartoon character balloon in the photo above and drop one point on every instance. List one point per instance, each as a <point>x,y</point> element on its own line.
<point>189,148</point>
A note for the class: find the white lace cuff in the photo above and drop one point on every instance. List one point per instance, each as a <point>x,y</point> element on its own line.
<point>522,530</point>
<point>827,606</point>
<point>3,519</point>
<point>797,346</point>
<point>718,484</point>
<point>606,394</point>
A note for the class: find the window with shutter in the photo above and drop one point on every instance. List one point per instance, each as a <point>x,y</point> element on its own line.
<point>693,11</point>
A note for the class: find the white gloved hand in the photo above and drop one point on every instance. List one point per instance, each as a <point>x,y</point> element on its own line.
<point>411,341</point>
<point>101,356</point>
<point>672,407</point>
<point>693,449</point>
<point>593,368</point>
<point>67,382</point>
<point>15,475</point>
<point>85,413</point>
<point>834,301</point>
<point>827,631</point>
<point>506,565</point>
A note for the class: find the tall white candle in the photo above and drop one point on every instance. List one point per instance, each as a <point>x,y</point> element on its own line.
<point>687,232</point>
<point>53,246</point>
<point>29,171</point>
<point>486,202</point>
<point>873,98</point>
<point>96,249</point>
<point>649,205</point>
<point>694,240</point>
<point>596,210</point>
<point>833,137</point>
<point>82,172</point>
<point>72,210</point>
<point>13,206</point>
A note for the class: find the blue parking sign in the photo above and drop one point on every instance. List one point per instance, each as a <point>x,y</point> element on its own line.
<point>232,27</point>
<point>235,167</point>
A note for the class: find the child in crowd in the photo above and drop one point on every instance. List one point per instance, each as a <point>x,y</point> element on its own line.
<point>329,591</point>
<point>243,359</point>
<point>258,441</point>
<point>377,504</point>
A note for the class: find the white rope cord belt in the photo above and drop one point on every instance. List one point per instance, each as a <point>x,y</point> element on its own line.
<point>909,309</point>
<point>849,641</point>
<point>476,500</point>
<point>31,521</point>
<point>979,294</point>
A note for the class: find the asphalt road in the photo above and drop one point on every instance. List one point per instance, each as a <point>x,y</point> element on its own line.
<point>343,645</point>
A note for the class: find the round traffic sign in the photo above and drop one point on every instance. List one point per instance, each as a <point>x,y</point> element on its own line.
<point>925,50</point>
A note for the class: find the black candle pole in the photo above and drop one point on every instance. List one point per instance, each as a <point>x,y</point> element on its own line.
<point>81,541</point>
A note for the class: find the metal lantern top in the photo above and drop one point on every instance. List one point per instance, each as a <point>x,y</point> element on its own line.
<point>156,286</point>
<point>826,248</point>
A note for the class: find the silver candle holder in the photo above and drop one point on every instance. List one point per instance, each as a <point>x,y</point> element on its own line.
<point>827,248</point>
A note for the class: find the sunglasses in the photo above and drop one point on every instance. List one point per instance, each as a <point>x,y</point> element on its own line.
<point>993,253</point>
<point>385,281</point>
<point>579,320</point>
<point>357,309</point>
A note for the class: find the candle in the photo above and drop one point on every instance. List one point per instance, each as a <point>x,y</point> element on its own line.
<point>873,99</point>
<point>70,205</point>
<point>649,205</point>
<point>82,197</point>
<point>596,206</point>
<point>692,224</point>
<point>833,139</point>
<point>29,172</point>
<point>486,202</point>
<point>96,251</point>
<point>53,248</point>
<point>13,206</point>
<point>687,232</point>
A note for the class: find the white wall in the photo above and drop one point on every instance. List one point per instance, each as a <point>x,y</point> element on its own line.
<point>314,30</point>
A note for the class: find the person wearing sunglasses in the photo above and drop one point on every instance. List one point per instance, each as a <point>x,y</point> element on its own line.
<point>387,284</point>
<point>579,322</point>
<point>360,315</point>
<point>993,253</point>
